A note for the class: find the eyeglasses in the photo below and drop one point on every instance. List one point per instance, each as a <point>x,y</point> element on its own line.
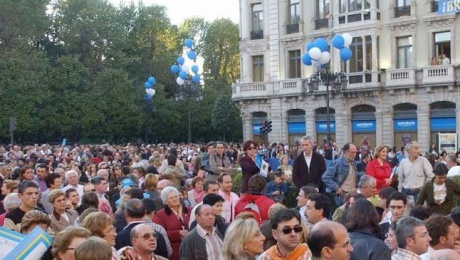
<point>149,235</point>
<point>288,230</point>
<point>252,148</point>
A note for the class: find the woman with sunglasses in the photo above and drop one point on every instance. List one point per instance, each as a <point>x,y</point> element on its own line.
<point>362,223</point>
<point>248,164</point>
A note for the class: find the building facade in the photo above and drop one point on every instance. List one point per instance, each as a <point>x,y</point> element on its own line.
<point>403,77</point>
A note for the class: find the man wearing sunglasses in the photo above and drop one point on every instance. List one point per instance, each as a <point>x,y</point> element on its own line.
<point>144,241</point>
<point>287,231</point>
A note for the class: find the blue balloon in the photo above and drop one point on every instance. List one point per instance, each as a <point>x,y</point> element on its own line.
<point>196,78</point>
<point>306,59</point>
<point>195,69</point>
<point>188,43</point>
<point>322,44</point>
<point>310,45</point>
<point>180,60</point>
<point>183,75</point>
<point>191,55</point>
<point>338,41</point>
<point>174,69</point>
<point>152,80</point>
<point>345,54</point>
<point>148,97</point>
<point>147,84</point>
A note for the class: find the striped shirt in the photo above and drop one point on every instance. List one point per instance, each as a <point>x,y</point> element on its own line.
<point>402,254</point>
<point>214,244</point>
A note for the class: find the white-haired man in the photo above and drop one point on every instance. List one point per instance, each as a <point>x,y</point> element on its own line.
<point>72,180</point>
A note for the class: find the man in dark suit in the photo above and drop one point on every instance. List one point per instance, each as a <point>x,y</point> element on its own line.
<point>134,212</point>
<point>308,166</point>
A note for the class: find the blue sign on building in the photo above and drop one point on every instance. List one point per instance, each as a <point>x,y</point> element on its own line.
<point>321,127</point>
<point>363,126</point>
<point>448,6</point>
<point>405,125</point>
<point>443,124</point>
<point>256,129</point>
<point>297,128</point>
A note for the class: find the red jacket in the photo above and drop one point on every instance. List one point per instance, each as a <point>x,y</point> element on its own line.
<point>263,202</point>
<point>173,225</point>
<point>380,173</point>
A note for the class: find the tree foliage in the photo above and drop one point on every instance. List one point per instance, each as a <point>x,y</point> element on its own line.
<point>76,69</point>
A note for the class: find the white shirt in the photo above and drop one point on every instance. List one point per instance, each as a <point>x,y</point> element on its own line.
<point>229,205</point>
<point>454,171</point>
<point>308,159</point>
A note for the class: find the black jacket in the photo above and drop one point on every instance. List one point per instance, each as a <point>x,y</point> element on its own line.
<point>302,175</point>
<point>367,246</point>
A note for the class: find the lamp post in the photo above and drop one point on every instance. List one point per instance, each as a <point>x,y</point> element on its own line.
<point>319,56</point>
<point>188,81</point>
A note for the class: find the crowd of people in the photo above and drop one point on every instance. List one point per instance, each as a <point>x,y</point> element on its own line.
<point>179,201</point>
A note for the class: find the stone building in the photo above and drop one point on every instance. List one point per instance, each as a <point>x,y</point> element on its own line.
<point>399,87</point>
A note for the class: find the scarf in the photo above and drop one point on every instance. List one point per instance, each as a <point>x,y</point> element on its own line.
<point>198,196</point>
<point>299,251</point>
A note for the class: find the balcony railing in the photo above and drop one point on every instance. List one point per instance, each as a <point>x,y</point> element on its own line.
<point>256,35</point>
<point>401,11</point>
<point>434,6</point>
<point>292,28</point>
<point>400,77</point>
<point>359,16</point>
<point>438,74</point>
<point>321,23</point>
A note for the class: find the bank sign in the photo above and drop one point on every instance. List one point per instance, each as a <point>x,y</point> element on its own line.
<point>448,6</point>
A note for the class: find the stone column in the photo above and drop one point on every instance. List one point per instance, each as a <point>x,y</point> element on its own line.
<point>310,123</point>
<point>378,127</point>
<point>423,131</point>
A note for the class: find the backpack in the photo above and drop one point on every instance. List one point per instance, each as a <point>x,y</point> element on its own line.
<point>252,208</point>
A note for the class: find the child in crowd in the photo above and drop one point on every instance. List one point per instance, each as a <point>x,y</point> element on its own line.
<point>276,188</point>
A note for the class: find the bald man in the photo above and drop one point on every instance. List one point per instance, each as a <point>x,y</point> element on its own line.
<point>144,241</point>
<point>445,254</point>
<point>329,240</point>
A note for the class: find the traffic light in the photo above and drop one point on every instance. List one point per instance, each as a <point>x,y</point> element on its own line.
<point>269,126</point>
<point>263,127</point>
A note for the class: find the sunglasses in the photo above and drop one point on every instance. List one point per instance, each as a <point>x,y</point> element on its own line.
<point>252,148</point>
<point>288,230</point>
<point>149,235</point>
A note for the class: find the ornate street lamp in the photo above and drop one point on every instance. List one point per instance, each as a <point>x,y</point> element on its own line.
<point>318,55</point>
<point>188,81</point>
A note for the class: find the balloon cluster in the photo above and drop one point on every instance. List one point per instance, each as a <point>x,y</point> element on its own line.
<point>149,91</point>
<point>185,68</point>
<point>318,54</point>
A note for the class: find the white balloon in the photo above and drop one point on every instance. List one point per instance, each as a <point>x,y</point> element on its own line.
<point>180,81</point>
<point>185,68</point>
<point>347,38</point>
<point>150,91</point>
<point>315,53</point>
<point>325,57</point>
<point>316,63</point>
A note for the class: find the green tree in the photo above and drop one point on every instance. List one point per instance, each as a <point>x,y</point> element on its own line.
<point>226,119</point>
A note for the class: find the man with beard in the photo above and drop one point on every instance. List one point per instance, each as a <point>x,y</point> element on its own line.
<point>144,241</point>
<point>287,230</point>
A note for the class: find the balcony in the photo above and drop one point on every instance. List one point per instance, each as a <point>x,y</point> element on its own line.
<point>260,90</point>
<point>364,15</point>
<point>321,23</point>
<point>400,77</point>
<point>402,11</point>
<point>292,28</point>
<point>257,35</point>
<point>438,75</point>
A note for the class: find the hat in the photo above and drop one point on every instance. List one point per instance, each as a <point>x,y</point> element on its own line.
<point>127,183</point>
<point>440,169</point>
<point>211,199</point>
<point>100,165</point>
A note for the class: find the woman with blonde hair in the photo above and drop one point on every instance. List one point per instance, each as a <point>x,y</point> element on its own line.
<point>285,167</point>
<point>243,239</point>
<point>32,219</point>
<point>150,185</point>
<point>100,224</point>
<point>61,216</point>
<point>67,240</point>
